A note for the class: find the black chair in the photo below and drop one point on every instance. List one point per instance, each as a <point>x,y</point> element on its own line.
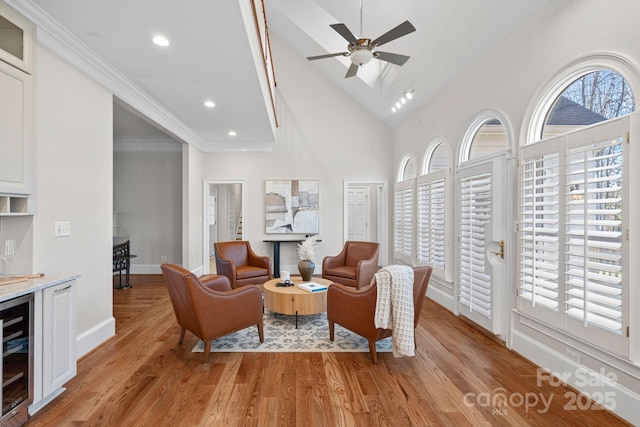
<point>122,262</point>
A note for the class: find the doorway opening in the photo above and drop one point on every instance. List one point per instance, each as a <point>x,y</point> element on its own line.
<point>223,217</point>
<point>365,213</point>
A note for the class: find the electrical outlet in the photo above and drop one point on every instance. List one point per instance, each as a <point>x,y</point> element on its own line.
<point>163,258</point>
<point>62,228</point>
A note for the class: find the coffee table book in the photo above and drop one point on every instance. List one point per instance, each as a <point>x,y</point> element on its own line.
<point>312,287</point>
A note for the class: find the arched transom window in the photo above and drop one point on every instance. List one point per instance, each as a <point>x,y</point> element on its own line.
<point>592,98</point>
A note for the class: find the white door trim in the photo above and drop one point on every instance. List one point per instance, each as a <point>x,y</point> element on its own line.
<point>382,214</point>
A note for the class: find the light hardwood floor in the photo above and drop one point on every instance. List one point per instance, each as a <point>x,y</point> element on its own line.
<point>142,377</point>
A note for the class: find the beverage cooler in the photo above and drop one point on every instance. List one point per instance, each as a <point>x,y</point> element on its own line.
<point>16,318</point>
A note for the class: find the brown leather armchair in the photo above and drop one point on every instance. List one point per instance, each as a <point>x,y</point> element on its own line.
<point>354,266</point>
<point>208,307</point>
<point>236,260</point>
<point>355,309</point>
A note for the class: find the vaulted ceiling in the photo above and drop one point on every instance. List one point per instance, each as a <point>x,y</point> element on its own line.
<point>210,58</point>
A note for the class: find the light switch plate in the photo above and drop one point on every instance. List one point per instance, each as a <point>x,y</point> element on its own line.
<point>62,228</point>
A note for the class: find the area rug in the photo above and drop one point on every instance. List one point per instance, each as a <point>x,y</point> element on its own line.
<point>281,335</point>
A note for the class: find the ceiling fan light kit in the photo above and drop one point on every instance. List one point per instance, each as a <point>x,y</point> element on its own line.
<point>360,53</point>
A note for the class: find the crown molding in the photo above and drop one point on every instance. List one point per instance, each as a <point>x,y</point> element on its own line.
<point>51,34</point>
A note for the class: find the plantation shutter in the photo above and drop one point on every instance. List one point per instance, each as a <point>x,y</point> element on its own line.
<point>475,283</point>
<point>593,228</point>
<point>431,219</point>
<point>539,234</point>
<point>425,247</point>
<point>403,224</point>
<point>572,272</point>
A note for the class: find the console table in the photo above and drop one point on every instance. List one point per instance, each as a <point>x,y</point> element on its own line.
<point>276,252</point>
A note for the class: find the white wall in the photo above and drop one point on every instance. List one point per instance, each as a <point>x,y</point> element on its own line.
<point>74,183</point>
<point>323,135</point>
<point>507,80</point>
<point>147,196</point>
<point>192,203</point>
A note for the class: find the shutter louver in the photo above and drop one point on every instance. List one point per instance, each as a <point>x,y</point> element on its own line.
<point>593,229</point>
<point>475,284</point>
<point>539,234</point>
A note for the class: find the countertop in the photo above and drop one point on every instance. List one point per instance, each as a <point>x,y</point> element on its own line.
<point>15,290</point>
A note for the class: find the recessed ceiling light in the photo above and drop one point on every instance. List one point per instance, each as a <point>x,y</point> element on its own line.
<point>161,41</point>
<point>232,133</point>
<point>209,104</point>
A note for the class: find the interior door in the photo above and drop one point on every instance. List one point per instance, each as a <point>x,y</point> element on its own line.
<point>482,268</point>
<point>359,213</point>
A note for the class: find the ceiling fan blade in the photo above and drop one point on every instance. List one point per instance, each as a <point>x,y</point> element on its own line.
<point>329,55</point>
<point>394,58</point>
<point>352,71</point>
<point>401,30</point>
<point>344,32</point>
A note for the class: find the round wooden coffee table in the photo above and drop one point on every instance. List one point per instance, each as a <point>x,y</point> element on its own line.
<point>293,300</point>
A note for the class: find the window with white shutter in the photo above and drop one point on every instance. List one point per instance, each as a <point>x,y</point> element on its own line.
<point>403,221</point>
<point>571,220</point>
<point>475,290</point>
<point>539,221</point>
<point>432,216</point>
<point>593,229</point>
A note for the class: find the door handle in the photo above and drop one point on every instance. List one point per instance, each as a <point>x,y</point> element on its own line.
<point>501,252</point>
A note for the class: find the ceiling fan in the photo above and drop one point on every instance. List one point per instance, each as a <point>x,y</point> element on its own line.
<point>361,50</point>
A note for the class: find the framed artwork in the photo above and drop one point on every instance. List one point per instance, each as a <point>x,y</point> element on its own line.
<point>291,206</point>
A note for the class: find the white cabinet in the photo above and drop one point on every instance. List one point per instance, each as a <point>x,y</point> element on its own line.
<point>55,341</point>
<point>16,103</point>
<point>59,336</point>
<point>16,39</point>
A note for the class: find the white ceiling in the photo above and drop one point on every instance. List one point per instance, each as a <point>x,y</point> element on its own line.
<point>210,56</point>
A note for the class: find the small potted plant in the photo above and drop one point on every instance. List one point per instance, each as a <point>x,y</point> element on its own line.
<point>306,253</point>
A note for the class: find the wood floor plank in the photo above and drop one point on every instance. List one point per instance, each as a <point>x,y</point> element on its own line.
<point>143,377</point>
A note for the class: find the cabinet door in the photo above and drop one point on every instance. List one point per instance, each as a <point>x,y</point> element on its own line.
<point>16,129</point>
<point>16,39</point>
<point>59,337</point>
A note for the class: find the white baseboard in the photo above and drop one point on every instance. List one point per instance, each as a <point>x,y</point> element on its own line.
<point>35,407</point>
<point>155,269</point>
<point>95,336</point>
<point>198,271</point>
<point>442,298</point>
<point>620,400</point>
<point>145,269</point>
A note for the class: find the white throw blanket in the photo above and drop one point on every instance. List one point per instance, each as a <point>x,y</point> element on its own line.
<point>394,307</point>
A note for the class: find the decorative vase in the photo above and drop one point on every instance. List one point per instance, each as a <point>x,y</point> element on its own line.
<point>306,268</point>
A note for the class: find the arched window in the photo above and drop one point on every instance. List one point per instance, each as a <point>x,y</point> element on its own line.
<point>591,98</point>
<point>489,138</point>
<point>486,135</point>
<point>408,169</point>
<point>433,209</point>
<point>436,157</point>
<point>573,267</point>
